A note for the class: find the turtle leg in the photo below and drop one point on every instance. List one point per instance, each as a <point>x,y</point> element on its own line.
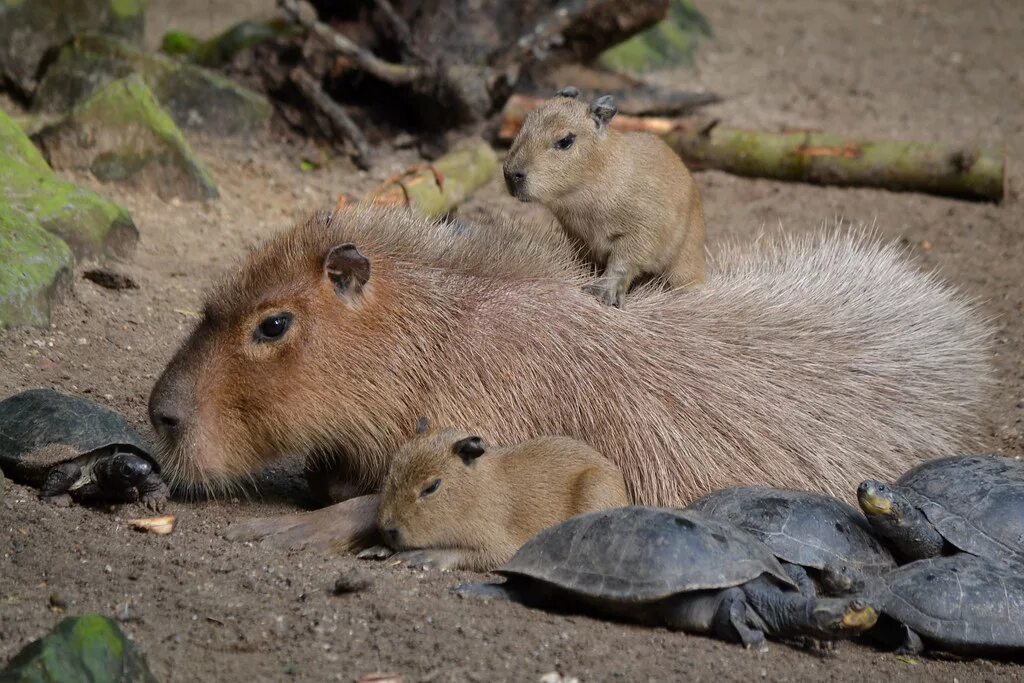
<point>377,552</point>
<point>153,492</point>
<point>59,480</point>
<point>801,579</point>
<point>789,614</point>
<point>485,591</point>
<point>911,643</point>
<point>722,613</point>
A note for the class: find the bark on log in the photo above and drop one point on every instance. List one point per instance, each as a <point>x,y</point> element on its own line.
<point>811,157</point>
<point>437,188</point>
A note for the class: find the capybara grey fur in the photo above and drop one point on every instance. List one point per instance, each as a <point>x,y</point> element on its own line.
<point>459,503</point>
<point>625,198</point>
<point>808,363</point>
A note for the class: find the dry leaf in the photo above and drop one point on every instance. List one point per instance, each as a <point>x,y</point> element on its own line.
<point>154,525</point>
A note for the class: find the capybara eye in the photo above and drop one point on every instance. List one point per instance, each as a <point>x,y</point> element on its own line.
<point>566,142</point>
<point>431,488</point>
<point>273,327</point>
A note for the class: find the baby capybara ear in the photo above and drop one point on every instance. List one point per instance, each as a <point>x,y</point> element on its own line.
<point>469,449</point>
<point>603,110</point>
<point>347,268</point>
<point>568,91</point>
<point>422,425</point>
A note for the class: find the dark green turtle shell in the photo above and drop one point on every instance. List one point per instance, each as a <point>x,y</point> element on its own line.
<point>962,603</point>
<point>802,527</point>
<point>41,428</point>
<point>975,501</point>
<point>642,554</point>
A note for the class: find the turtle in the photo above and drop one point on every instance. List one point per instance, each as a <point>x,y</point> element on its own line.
<point>673,568</point>
<point>75,449</point>
<point>966,503</point>
<point>958,603</point>
<point>806,531</point>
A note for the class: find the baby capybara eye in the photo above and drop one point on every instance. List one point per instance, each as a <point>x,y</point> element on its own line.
<point>273,327</point>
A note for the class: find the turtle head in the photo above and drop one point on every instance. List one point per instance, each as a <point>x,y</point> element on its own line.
<point>877,500</point>
<point>843,618</point>
<point>121,471</point>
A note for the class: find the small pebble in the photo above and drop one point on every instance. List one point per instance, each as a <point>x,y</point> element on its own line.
<point>352,582</point>
<point>57,601</point>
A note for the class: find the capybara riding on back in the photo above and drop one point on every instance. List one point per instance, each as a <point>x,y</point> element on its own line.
<point>625,198</point>
<point>806,363</point>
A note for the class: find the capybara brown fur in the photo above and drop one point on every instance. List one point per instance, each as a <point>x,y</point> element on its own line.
<point>625,198</point>
<point>802,363</point>
<point>464,504</point>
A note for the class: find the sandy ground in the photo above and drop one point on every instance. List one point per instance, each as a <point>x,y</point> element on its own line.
<point>206,609</point>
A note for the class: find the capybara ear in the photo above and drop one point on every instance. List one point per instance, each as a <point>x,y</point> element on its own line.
<point>422,425</point>
<point>347,268</point>
<point>568,91</point>
<point>469,449</point>
<point>602,110</point>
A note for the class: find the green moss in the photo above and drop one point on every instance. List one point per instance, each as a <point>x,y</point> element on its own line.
<point>80,649</point>
<point>34,267</point>
<point>122,133</point>
<point>89,223</point>
<point>179,43</point>
<point>14,144</point>
<point>669,43</point>
<point>194,96</point>
<point>124,9</point>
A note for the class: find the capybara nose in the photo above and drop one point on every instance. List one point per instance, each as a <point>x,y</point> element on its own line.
<point>514,181</point>
<point>391,535</point>
<point>167,414</point>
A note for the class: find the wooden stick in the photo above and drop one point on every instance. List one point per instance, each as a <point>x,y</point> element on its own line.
<point>389,72</point>
<point>812,157</point>
<point>437,188</point>
<point>341,123</point>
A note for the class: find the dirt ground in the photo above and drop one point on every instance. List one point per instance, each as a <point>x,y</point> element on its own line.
<point>205,609</point>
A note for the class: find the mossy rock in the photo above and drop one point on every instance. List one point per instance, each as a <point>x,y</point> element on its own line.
<point>121,134</point>
<point>91,225</point>
<point>14,144</point>
<point>35,270</point>
<point>196,98</point>
<point>80,650</point>
<point>671,42</point>
<point>29,28</point>
<point>222,48</point>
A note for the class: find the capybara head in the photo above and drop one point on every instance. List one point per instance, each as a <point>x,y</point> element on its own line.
<point>558,149</point>
<point>251,382</point>
<point>430,490</point>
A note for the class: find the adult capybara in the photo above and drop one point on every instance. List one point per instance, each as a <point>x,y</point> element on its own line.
<point>804,363</point>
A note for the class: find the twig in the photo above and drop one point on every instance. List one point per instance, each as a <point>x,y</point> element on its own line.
<point>342,124</point>
<point>389,72</point>
<point>401,29</point>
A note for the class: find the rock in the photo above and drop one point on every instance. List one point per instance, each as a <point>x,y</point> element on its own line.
<point>16,146</point>
<point>196,98</point>
<point>222,48</point>
<point>121,134</point>
<point>2,486</point>
<point>89,223</point>
<point>671,42</point>
<point>28,28</point>
<point>35,269</point>
<point>86,648</point>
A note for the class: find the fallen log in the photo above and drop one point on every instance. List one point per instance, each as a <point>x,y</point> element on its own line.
<point>813,157</point>
<point>436,188</point>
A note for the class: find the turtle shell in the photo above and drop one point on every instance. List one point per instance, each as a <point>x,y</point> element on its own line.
<point>642,554</point>
<point>41,428</point>
<point>961,602</point>
<point>976,502</point>
<point>801,527</point>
